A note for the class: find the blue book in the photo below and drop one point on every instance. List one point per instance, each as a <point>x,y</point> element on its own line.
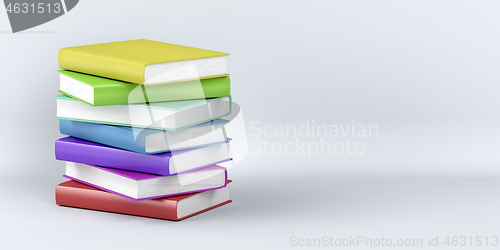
<point>147,141</point>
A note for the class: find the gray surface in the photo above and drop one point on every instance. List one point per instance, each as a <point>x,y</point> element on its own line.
<point>424,72</point>
<point>264,215</point>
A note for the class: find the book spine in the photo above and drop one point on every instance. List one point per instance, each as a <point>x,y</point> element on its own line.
<point>206,209</point>
<point>91,198</point>
<point>113,68</point>
<point>113,95</point>
<point>76,150</point>
<point>216,87</point>
<point>104,134</point>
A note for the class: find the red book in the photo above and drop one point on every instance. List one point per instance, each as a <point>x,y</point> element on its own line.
<point>75,194</point>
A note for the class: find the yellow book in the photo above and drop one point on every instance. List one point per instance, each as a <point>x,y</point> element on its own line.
<point>144,61</point>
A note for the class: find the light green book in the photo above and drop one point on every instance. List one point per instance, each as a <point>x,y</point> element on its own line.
<point>99,91</point>
<point>173,115</point>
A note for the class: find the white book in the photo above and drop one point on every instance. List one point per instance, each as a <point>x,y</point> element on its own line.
<point>172,115</point>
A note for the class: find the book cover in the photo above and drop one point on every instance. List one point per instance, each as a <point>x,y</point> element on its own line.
<point>126,60</point>
<point>105,91</point>
<point>75,194</point>
<point>82,151</point>
<point>123,137</point>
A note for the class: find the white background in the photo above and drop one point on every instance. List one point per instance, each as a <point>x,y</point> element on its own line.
<point>425,72</point>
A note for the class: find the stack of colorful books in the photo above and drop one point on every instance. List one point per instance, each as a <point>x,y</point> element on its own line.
<point>144,127</point>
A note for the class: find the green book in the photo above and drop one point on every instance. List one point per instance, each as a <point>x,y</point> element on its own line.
<point>99,91</point>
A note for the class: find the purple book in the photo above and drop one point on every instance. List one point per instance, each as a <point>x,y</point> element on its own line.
<point>170,163</point>
<point>141,186</point>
